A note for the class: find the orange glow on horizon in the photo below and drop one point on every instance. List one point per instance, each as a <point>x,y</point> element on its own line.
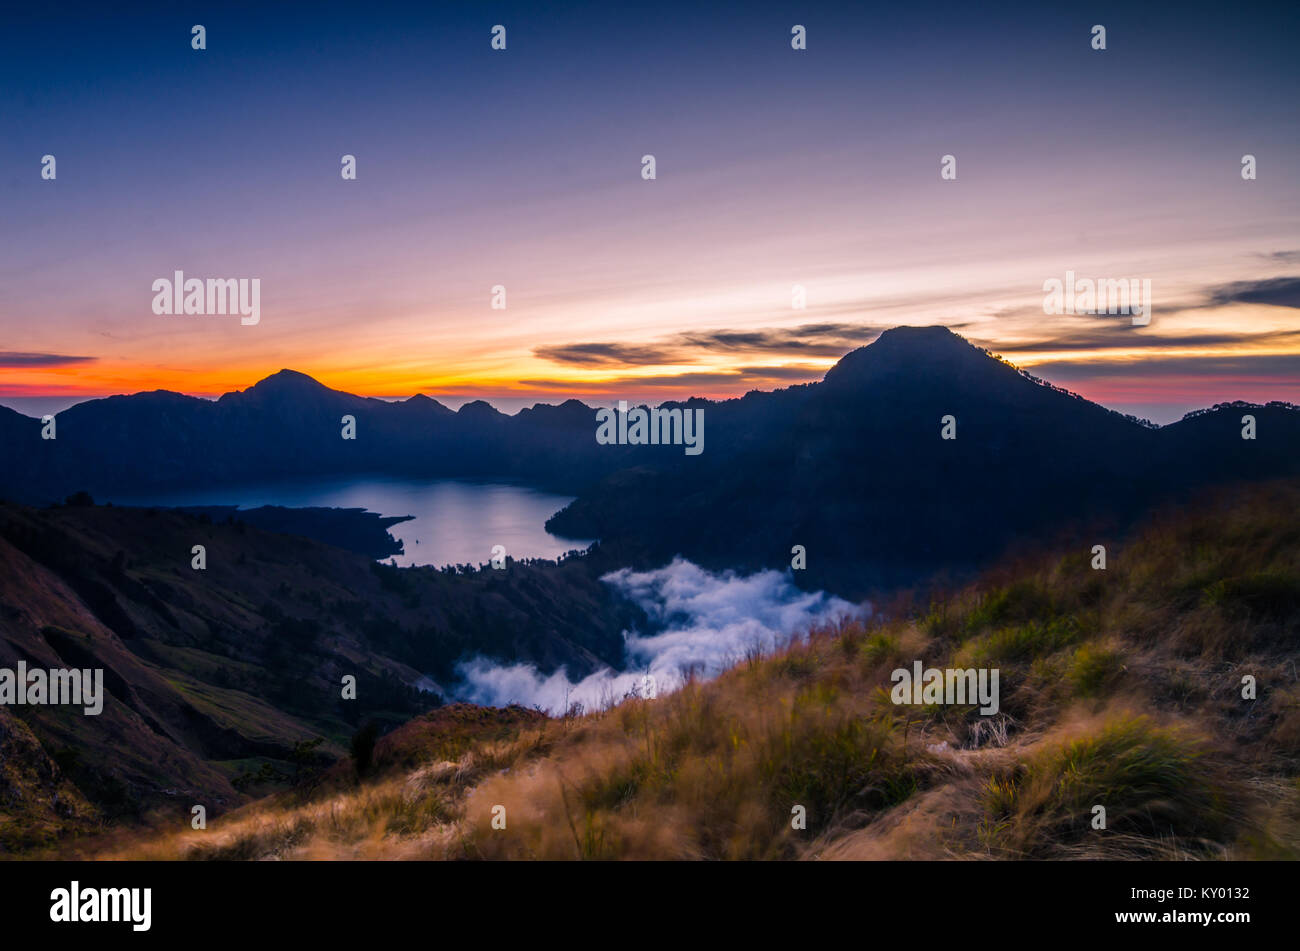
<point>511,368</point>
<point>562,382</point>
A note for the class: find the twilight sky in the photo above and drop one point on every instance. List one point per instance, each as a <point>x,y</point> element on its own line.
<point>523,168</point>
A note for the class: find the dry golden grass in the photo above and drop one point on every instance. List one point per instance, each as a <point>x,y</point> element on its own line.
<point>1119,688</point>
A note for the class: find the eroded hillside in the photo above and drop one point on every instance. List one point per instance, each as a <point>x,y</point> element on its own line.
<point>225,682</point>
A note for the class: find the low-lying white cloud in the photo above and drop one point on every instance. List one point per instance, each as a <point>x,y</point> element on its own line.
<point>707,623</point>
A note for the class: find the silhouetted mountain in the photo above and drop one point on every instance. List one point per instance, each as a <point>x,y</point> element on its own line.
<point>285,426</point>
<point>853,468</point>
<point>421,402</point>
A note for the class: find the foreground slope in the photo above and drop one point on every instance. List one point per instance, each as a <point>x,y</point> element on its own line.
<point>1120,688</point>
<point>226,681</point>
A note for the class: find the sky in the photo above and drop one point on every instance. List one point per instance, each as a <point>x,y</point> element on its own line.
<point>522,168</point>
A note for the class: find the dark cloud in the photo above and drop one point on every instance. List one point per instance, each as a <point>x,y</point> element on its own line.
<point>607,354</point>
<point>754,376</point>
<point>1278,291</point>
<point>807,340</point>
<point>14,360</point>
<point>1123,334</point>
<point>815,340</point>
<point>1277,367</point>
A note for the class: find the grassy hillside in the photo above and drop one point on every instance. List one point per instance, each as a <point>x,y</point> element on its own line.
<point>226,682</point>
<point>1119,687</point>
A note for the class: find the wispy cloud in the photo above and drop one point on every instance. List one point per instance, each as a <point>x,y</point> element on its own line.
<point>1277,291</point>
<point>14,359</point>
<point>608,354</point>
<point>1123,336</point>
<point>803,340</point>
<point>744,376</point>
<point>822,340</point>
<point>1276,367</point>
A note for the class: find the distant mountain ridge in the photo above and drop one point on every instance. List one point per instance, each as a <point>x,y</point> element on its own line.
<point>284,426</point>
<point>853,467</point>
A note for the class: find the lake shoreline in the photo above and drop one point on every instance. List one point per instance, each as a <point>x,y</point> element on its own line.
<point>353,529</point>
<point>413,522</point>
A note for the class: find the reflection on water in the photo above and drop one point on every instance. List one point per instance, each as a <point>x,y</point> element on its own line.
<point>455,522</point>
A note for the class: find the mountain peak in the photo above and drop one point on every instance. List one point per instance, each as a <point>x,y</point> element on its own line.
<point>421,401</point>
<point>283,378</point>
<point>282,385</point>
<point>908,335</point>
<point>478,409</point>
<point>906,350</point>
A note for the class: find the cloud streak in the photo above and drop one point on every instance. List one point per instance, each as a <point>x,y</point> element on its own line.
<point>1276,291</point>
<point>805,340</point>
<point>753,376</point>
<point>607,354</point>
<point>1123,336</point>
<point>18,360</point>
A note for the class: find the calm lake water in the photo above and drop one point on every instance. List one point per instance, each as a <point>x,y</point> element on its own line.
<point>455,522</point>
